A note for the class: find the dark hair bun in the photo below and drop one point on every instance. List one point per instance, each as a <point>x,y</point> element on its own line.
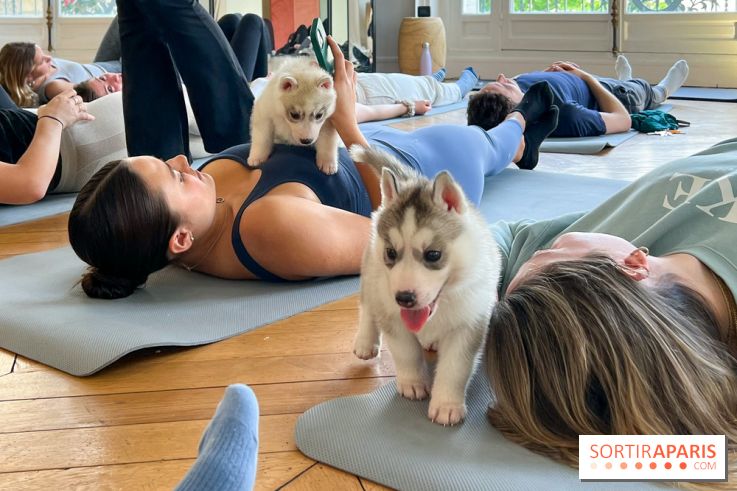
<point>97,284</point>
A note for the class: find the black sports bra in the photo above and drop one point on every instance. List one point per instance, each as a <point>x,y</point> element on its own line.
<point>344,190</point>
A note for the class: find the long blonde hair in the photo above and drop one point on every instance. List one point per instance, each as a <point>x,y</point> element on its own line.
<point>580,348</point>
<point>16,63</point>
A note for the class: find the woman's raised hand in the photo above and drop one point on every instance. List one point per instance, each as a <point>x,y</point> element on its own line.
<point>66,107</point>
<point>344,80</point>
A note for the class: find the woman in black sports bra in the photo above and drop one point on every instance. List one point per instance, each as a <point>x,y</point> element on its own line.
<point>283,221</point>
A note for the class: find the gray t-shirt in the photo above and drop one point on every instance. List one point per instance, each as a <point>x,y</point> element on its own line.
<point>74,72</point>
<point>689,205</point>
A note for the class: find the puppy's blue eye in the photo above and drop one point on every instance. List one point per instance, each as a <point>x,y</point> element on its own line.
<point>433,256</point>
<point>391,254</point>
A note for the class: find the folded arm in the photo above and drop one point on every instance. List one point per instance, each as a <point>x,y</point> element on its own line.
<point>27,180</point>
<point>615,115</point>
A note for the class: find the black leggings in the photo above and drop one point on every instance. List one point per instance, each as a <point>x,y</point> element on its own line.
<point>251,42</point>
<point>160,39</point>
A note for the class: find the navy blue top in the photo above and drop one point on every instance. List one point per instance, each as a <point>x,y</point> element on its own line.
<point>344,190</point>
<point>579,112</point>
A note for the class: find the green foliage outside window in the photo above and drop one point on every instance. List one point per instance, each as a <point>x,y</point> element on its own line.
<point>88,7</point>
<point>561,6</point>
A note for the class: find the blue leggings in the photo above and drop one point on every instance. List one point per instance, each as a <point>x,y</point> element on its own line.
<point>467,152</point>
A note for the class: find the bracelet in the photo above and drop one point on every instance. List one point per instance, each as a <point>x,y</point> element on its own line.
<point>410,108</point>
<point>54,118</point>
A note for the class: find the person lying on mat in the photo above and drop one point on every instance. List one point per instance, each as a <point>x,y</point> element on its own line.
<point>30,144</point>
<point>139,214</point>
<point>31,77</point>
<point>623,320</point>
<point>589,105</point>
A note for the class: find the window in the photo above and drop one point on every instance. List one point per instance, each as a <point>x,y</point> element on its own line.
<point>21,8</point>
<point>681,6</point>
<point>561,6</point>
<point>87,8</point>
<point>476,7</point>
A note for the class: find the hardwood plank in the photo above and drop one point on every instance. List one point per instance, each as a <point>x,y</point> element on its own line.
<point>6,362</point>
<point>148,475</point>
<point>30,237</point>
<point>168,406</point>
<point>372,486</point>
<point>60,449</point>
<point>349,303</point>
<point>56,222</point>
<point>321,477</point>
<point>26,248</point>
<point>123,378</point>
<point>274,470</point>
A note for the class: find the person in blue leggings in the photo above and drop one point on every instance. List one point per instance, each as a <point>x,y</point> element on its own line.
<point>285,220</point>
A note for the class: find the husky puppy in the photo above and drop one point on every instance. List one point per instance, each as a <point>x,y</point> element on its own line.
<point>294,109</point>
<point>428,281</point>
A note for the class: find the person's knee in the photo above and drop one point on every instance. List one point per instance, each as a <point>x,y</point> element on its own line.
<point>229,23</point>
<point>252,21</point>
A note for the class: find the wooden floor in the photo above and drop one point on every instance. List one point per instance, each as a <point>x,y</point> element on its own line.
<point>136,424</point>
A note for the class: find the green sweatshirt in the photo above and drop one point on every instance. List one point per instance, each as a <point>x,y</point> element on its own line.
<point>689,205</point>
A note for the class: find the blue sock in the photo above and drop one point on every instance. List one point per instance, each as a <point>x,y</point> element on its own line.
<point>467,80</point>
<point>439,75</point>
<point>229,446</point>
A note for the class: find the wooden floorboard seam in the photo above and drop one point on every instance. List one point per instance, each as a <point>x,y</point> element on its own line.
<point>298,476</point>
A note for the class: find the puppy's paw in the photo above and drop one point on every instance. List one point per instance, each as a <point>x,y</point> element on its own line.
<point>366,350</point>
<point>257,158</point>
<point>446,413</point>
<point>413,389</point>
<point>327,166</point>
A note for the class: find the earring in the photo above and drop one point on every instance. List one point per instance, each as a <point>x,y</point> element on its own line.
<point>191,236</point>
<point>644,250</point>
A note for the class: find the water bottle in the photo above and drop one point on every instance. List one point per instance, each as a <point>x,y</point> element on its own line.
<point>425,60</point>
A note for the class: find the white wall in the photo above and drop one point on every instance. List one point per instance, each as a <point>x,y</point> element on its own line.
<point>388,15</point>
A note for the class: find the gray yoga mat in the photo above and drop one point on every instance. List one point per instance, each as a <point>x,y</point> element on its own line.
<point>705,94</point>
<point>591,144</point>
<point>388,439</point>
<point>49,206</point>
<point>45,316</point>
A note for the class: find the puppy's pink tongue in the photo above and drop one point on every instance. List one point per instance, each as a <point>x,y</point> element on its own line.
<point>414,319</point>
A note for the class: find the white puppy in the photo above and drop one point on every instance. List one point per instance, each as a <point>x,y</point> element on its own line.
<point>428,280</point>
<point>294,109</point>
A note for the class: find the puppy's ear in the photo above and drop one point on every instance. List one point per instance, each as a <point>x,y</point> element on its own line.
<point>389,189</point>
<point>287,83</point>
<point>447,194</point>
<point>325,82</point>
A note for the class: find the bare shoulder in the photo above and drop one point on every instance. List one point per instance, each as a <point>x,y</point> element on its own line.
<point>296,238</point>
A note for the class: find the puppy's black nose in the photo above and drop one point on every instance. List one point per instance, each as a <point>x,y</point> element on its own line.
<point>305,141</point>
<point>406,299</point>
